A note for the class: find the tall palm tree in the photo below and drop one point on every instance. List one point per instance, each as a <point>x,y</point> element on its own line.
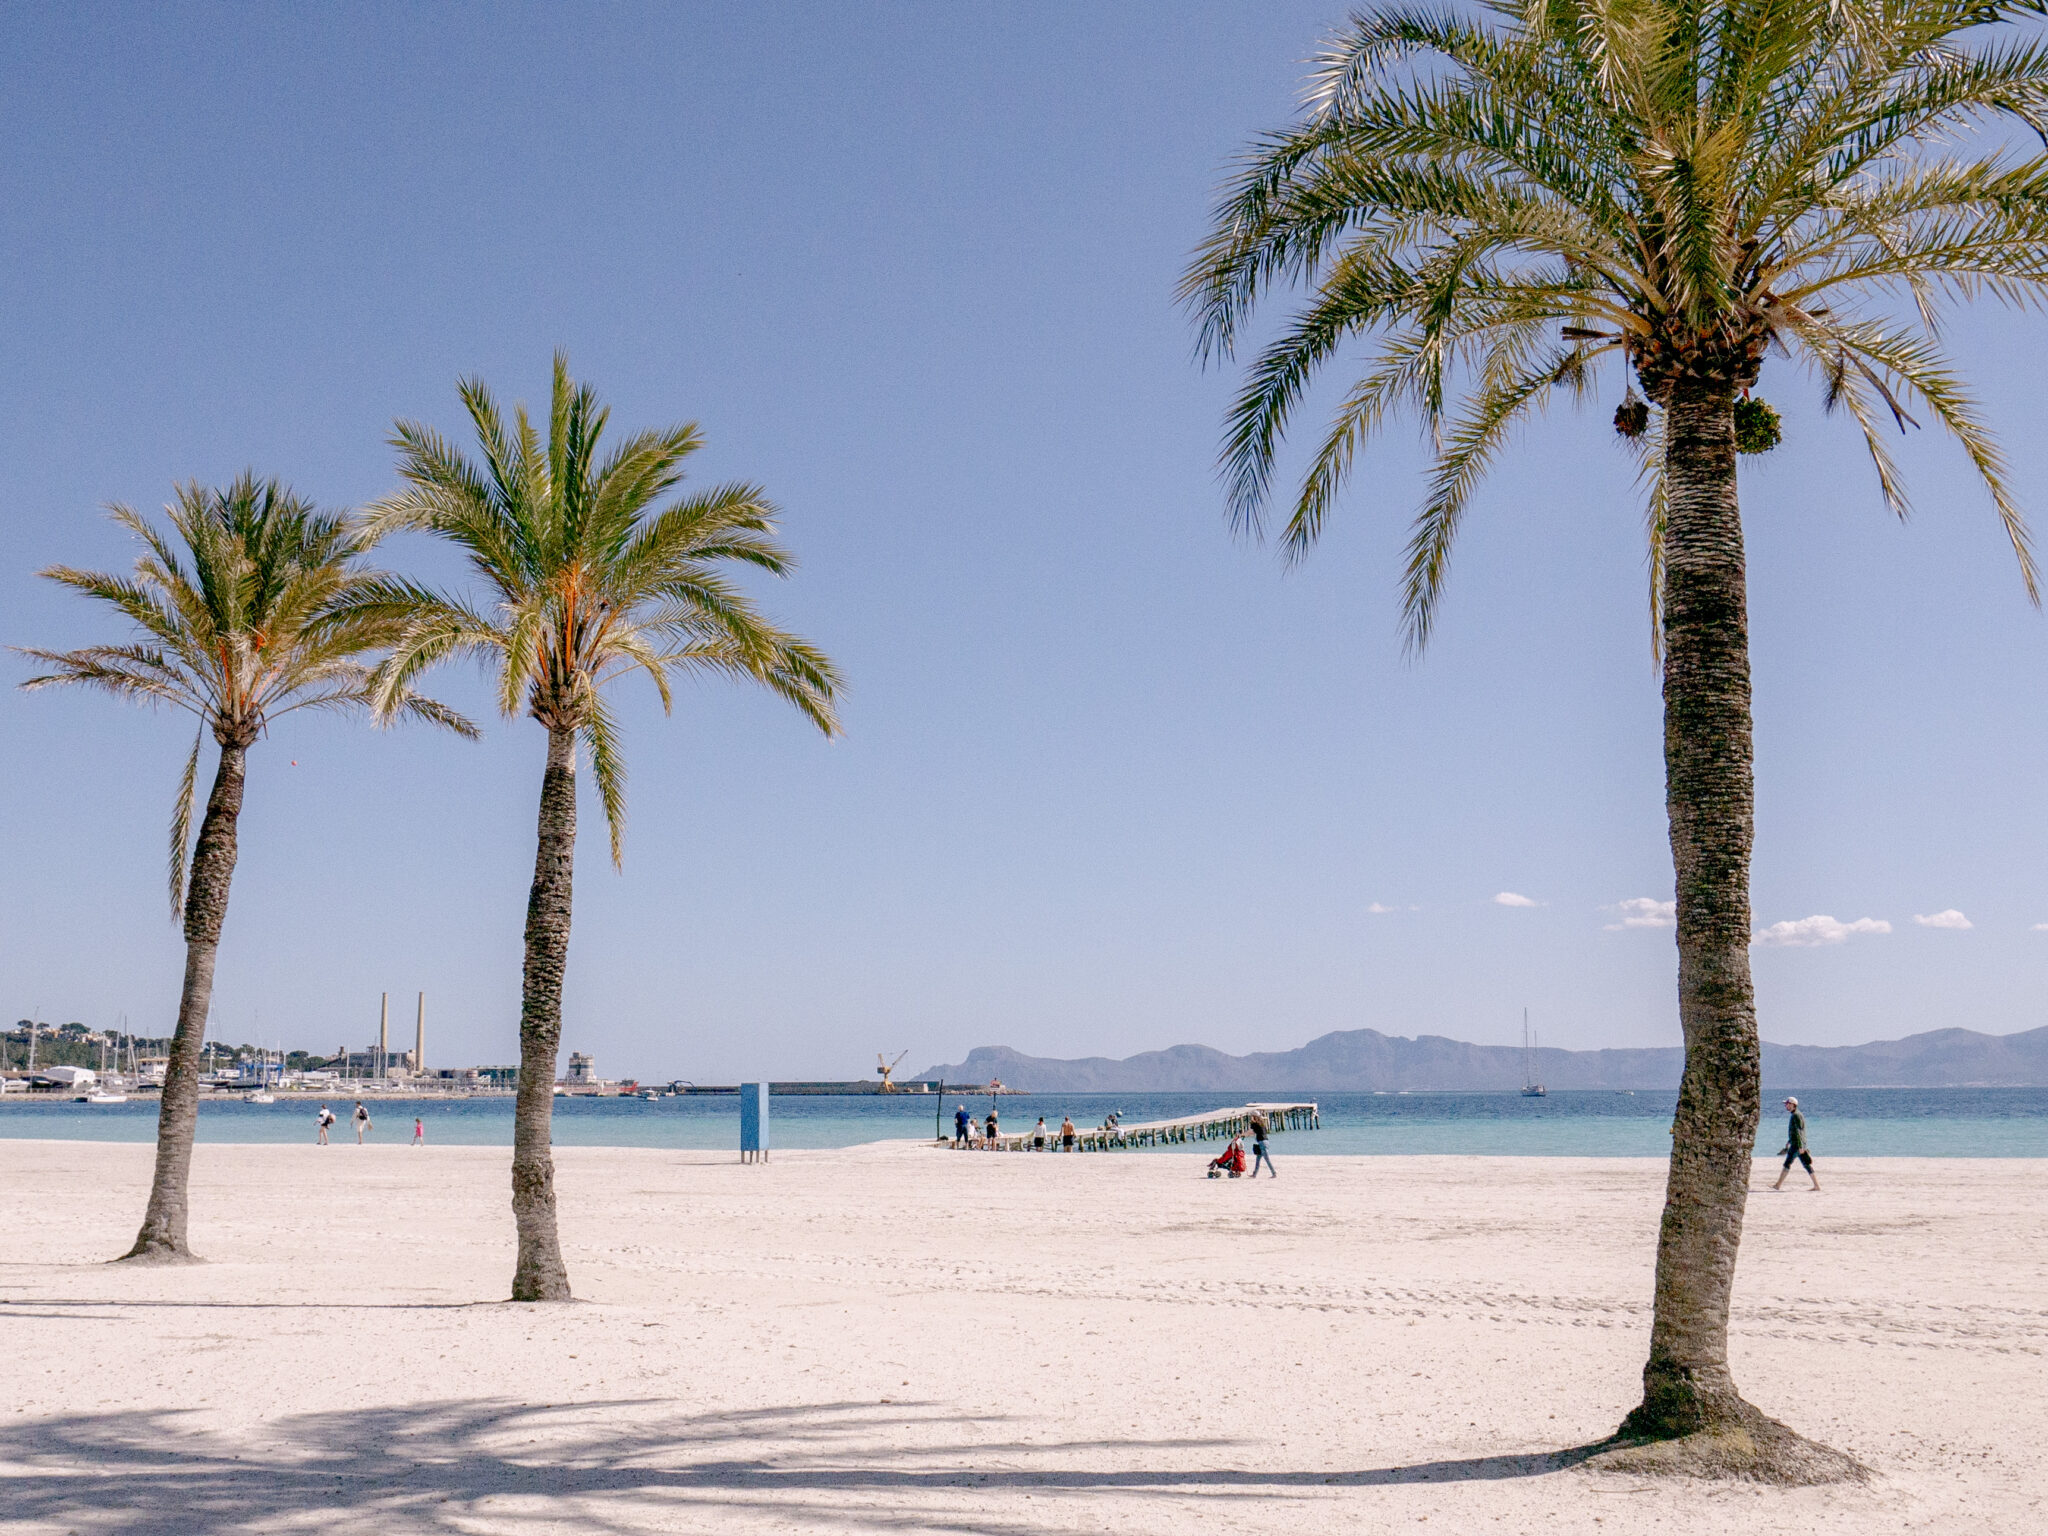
<point>1484,204</point>
<point>247,610</point>
<point>584,580</point>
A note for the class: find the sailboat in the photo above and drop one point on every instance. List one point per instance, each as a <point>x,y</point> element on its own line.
<point>263,1095</point>
<point>102,1093</point>
<point>1531,1089</point>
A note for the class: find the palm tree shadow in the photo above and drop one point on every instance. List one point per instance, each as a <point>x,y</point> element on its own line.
<point>71,1308</point>
<point>624,1465</point>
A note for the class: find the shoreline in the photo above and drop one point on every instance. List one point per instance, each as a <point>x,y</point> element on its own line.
<point>1195,1154</point>
<point>1953,1125</point>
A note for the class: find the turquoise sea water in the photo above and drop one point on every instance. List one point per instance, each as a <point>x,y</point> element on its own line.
<point>1842,1122</point>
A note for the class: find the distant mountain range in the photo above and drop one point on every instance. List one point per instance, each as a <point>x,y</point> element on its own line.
<point>1364,1061</point>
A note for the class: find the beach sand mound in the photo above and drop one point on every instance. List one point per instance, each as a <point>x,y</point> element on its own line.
<point>1761,1451</point>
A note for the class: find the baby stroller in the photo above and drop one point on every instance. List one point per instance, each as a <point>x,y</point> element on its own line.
<point>1231,1162</point>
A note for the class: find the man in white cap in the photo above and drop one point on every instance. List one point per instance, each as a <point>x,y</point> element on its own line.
<point>1795,1147</point>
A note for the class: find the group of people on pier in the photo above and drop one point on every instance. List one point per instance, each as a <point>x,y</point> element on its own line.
<point>986,1135</point>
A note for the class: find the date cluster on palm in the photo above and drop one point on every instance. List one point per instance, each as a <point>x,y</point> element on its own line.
<point>1632,416</point>
<point>1757,429</point>
<point>1727,354</point>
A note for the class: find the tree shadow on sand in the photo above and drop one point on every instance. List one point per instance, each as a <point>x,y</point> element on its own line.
<point>620,1466</point>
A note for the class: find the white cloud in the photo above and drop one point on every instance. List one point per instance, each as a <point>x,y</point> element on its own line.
<point>1378,910</point>
<point>1949,919</point>
<point>1512,899</point>
<point>1811,932</point>
<point>2041,927</point>
<point>1644,912</point>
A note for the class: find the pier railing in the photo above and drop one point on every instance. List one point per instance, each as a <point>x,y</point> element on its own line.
<point>1209,1126</point>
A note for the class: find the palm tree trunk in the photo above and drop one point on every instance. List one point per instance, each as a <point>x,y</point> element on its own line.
<point>163,1236</point>
<point>1709,795</point>
<point>541,1274</point>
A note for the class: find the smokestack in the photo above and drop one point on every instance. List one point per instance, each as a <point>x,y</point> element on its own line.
<point>419,1039</point>
<point>383,1032</point>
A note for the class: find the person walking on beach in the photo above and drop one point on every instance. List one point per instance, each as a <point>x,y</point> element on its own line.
<point>362,1119</point>
<point>961,1121</point>
<point>1259,1152</point>
<point>419,1131</point>
<point>990,1144</point>
<point>1066,1133</point>
<point>1795,1147</point>
<point>320,1122</point>
<point>1038,1135</point>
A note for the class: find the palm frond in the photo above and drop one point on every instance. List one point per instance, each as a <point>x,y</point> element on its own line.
<point>1657,175</point>
<point>1469,447</point>
<point>181,826</point>
<point>587,577</point>
<point>600,734</point>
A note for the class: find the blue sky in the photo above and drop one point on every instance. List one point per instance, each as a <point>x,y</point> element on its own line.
<point>1112,779</point>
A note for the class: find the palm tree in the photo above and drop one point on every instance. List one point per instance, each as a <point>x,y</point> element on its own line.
<point>585,581</point>
<point>1487,203</point>
<point>246,612</point>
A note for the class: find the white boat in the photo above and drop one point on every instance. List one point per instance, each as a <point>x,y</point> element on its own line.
<point>1531,1089</point>
<point>101,1098</point>
<point>259,1097</point>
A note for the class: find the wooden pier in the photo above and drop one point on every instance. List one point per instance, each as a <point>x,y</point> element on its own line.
<point>1213,1125</point>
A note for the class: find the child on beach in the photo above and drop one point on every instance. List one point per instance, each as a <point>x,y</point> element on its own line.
<point>1231,1162</point>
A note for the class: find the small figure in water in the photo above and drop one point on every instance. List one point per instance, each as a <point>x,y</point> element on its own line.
<point>1795,1147</point>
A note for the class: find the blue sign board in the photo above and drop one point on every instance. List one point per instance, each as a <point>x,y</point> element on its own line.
<point>753,1122</point>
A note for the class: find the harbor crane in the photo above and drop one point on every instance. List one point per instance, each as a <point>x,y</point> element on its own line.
<point>886,1069</point>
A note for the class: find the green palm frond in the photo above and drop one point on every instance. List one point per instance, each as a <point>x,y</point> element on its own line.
<point>1467,450</point>
<point>1649,449</point>
<point>1645,177</point>
<point>251,604</point>
<point>1862,359</point>
<point>586,573</point>
<point>600,735</point>
<point>181,825</point>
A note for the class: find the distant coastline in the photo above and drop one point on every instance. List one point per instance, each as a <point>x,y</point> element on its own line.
<point>1367,1061</point>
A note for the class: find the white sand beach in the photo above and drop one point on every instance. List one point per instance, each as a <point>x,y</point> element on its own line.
<point>896,1338</point>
